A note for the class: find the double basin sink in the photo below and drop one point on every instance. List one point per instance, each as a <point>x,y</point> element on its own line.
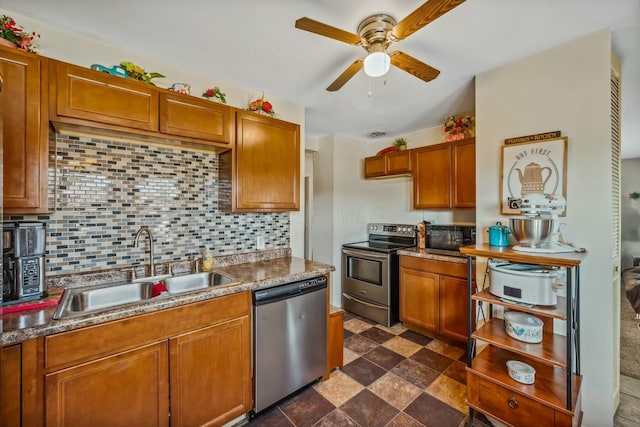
<point>85,300</point>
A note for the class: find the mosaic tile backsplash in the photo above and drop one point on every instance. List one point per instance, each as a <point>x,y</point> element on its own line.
<point>104,191</point>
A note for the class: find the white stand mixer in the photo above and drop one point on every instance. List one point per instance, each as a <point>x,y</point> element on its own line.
<point>544,206</point>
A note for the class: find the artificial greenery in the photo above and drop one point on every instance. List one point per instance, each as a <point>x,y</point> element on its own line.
<point>138,73</point>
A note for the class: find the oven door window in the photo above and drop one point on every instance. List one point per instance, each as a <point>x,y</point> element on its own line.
<point>365,270</point>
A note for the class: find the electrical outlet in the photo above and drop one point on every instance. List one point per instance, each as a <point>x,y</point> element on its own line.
<point>260,242</point>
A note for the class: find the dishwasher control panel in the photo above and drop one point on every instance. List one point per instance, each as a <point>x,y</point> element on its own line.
<point>288,290</point>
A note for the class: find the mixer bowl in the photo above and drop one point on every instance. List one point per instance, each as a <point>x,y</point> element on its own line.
<point>532,232</point>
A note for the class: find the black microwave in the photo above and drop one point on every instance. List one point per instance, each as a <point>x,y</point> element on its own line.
<point>449,237</point>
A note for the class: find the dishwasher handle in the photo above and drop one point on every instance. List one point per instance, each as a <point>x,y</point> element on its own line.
<point>289,290</point>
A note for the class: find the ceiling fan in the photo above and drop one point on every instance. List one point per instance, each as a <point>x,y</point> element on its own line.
<point>376,33</point>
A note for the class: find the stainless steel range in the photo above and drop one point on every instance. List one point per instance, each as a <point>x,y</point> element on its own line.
<point>370,285</point>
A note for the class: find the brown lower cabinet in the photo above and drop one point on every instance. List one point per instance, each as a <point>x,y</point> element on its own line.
<point>10,388</point>
<point>335,355</point>
<point>433,297</point>
<point>126,389</point>
<point>20,404</point>
<point>208,374</point>
<point>184,366</point>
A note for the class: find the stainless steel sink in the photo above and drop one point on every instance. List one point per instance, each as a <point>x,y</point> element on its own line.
<point>85,300</point>
<point>196,281</point>
<point>78,301</point>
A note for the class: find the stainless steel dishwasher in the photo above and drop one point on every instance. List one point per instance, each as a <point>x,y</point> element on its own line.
<point>289,339</point>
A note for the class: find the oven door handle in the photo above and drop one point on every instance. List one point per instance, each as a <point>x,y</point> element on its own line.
<point>365,254</point>
<point>361,301</point>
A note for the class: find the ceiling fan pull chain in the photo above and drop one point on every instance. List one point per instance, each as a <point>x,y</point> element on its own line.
<point>369,87</point>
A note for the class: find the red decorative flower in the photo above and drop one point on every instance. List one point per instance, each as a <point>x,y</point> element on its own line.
<point>260,105</point>
<point>215,93</point>
<point>16,34</point>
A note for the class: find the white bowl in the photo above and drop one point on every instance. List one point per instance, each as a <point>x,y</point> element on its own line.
<point>521,372</point>
<point>523,326</point>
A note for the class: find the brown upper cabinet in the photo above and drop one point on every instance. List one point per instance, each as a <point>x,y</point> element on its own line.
<point>444,175</point>
<point>88,95</point>
<point>387,165</point>
<point>184,115</point>
<point>262,172</point>
<point>99,103</point>
<point>25,131</point>
<point>463,178</point>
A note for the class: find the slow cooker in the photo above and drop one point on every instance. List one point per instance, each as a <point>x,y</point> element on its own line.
<point>525,283</point>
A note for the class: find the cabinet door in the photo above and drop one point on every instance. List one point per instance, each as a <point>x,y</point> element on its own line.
<point>211,374</point>
<point>10,385</point>
<point>86,94</point>
<point>183,115</point>
<point>464,173</point>
<point>25,132</point>
<point>419,299</point>
<point>399,162</point>
<point>375,166</point>
<point>432,176</point>
<point>454,308</point>
<point>126,389</point>
<point>267,164</point>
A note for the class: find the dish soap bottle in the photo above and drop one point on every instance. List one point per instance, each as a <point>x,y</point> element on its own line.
<point>207,260</point>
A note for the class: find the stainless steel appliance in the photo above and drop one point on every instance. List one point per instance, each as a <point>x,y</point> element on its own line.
<point>289,339</point>
<point>539,228</point>
<point>370,281</point>
<point>23,248</point>
<point>525,283</point>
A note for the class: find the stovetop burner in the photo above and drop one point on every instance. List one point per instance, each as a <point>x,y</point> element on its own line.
<point>386,238</point>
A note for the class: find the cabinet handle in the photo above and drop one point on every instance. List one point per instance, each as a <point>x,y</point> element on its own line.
<point>513,403</point>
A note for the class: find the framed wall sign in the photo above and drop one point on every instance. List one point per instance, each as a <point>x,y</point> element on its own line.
<point>533,167</point>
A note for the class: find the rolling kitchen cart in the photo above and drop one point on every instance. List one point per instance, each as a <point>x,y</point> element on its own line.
<point>553,399</point>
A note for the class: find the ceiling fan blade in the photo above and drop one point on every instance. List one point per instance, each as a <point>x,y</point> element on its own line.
<point>346,75</point>
<point>423,15</point>
<point>317,27</point>
<point>412,66</point>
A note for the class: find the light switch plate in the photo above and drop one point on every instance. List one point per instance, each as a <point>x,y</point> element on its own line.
<point>260,242</point>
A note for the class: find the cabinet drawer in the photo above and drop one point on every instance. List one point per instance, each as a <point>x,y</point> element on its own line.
<point>435,266</point>
<point>506,405</point>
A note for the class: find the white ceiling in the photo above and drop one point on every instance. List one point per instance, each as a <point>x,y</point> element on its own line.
<point>254,44</point>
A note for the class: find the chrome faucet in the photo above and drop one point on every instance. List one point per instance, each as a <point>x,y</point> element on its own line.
<point>135,245</point>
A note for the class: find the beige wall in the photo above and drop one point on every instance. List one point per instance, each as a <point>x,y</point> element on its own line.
<point>565,88</point>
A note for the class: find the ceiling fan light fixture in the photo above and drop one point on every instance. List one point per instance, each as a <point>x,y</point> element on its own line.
<point>377,62</point>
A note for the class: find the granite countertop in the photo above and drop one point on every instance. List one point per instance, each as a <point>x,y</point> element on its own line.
<point>435,254</point>
<point>37,322</point>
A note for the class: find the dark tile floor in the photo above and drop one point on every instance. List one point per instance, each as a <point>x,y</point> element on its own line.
<point>391,377</point>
